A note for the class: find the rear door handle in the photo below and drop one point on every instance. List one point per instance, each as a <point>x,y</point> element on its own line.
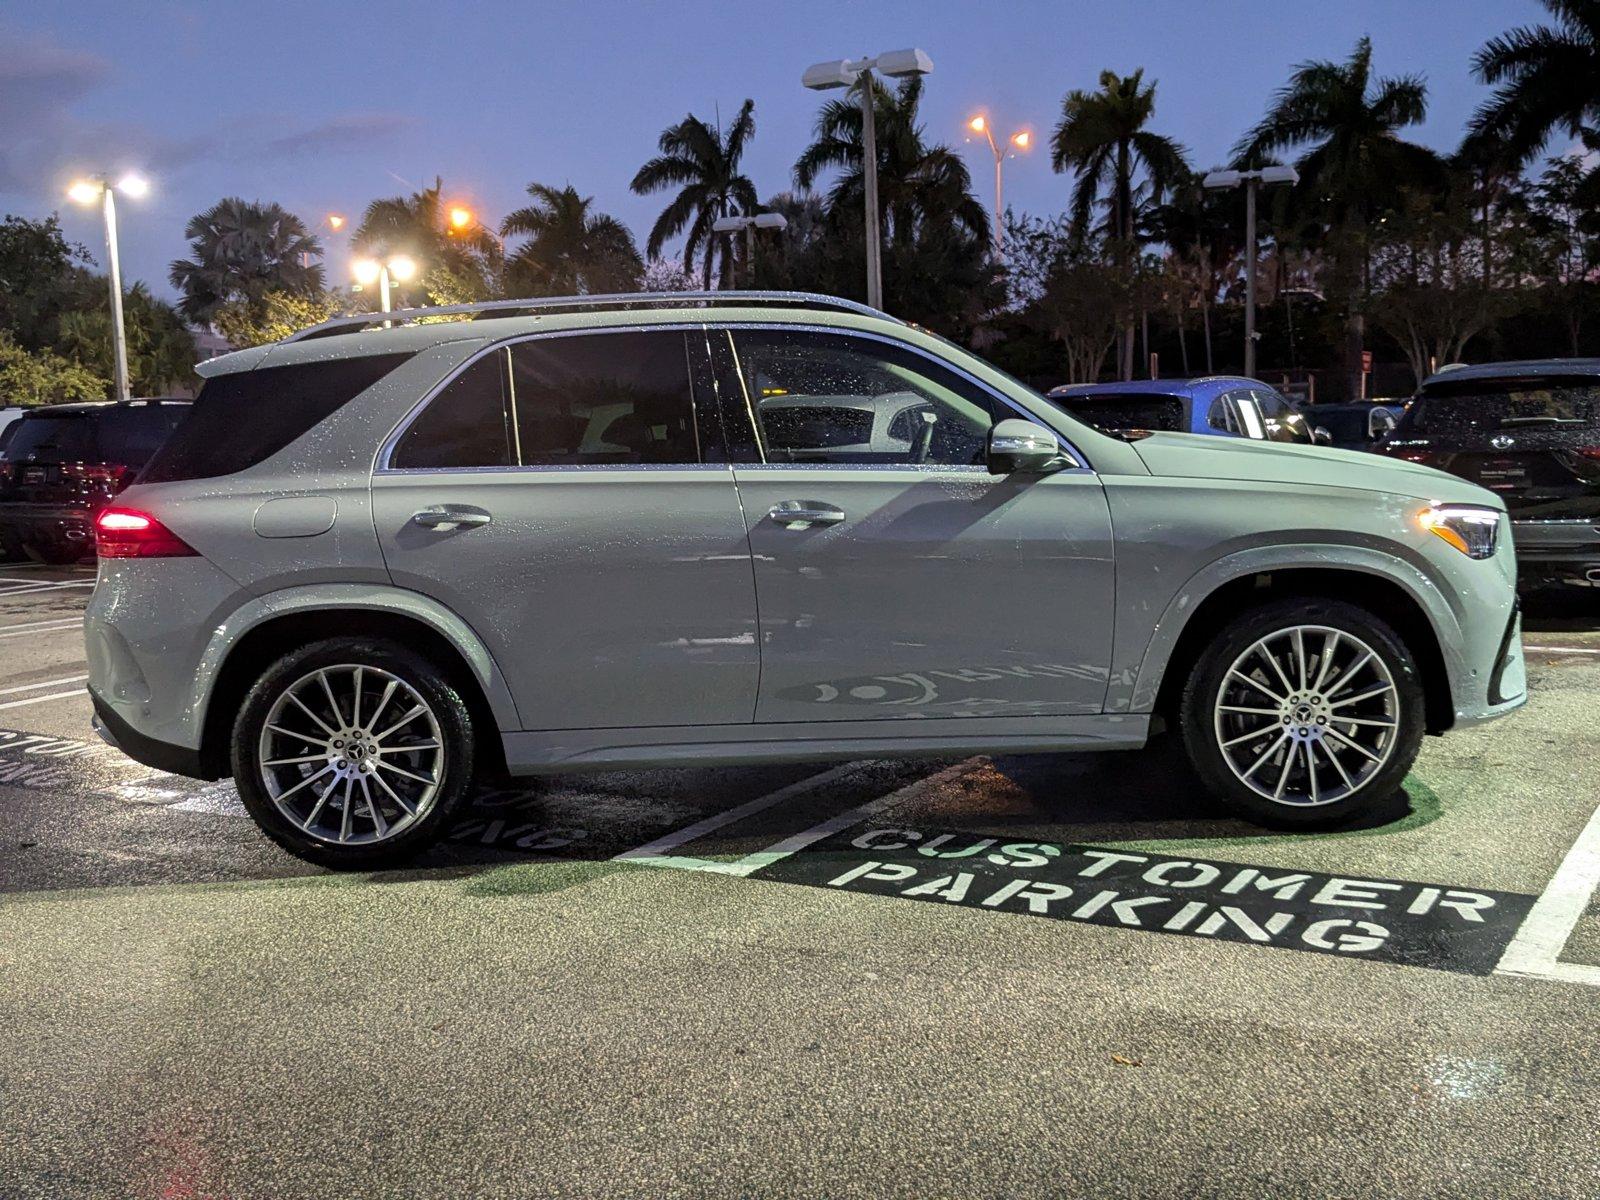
<point>801,514</point>
<point>451,516</point>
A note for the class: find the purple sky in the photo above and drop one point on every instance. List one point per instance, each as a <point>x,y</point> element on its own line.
<point>324,106</point>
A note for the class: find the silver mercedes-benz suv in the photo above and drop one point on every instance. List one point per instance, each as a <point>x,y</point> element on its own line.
<point>605,532</point>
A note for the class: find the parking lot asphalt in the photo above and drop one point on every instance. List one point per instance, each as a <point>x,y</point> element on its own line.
<point>1053,975</point>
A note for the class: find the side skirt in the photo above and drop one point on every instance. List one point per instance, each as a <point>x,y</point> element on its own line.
<point>532,753</point>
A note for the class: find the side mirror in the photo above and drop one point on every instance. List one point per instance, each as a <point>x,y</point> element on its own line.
<point>1321,435</point>
<point>1380,423</point>
<point>1019,446</point>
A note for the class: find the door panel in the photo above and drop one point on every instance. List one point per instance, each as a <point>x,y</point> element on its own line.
<point>610,597</point>
<point>944,592</point>
<point>559,494</point>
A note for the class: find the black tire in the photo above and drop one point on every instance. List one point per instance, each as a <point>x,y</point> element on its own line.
<point>57,554</point>
<point>431,684</point>
<point>1203,689</point>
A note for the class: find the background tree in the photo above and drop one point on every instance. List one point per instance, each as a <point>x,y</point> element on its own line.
<point>30,377</point>
<point>1354,168</point>
<point>161,351</point>
<point>455,266</point>
<point>1547,78</point>
<point>702,162</point>
<point>239,250</point>
<point>1103,139</point>
<point>37,268</point>
<point>274,316</point>
<point>570,250</point>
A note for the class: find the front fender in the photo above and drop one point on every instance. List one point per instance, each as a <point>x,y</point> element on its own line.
<point>343,597</point>
<point>1139,696</point>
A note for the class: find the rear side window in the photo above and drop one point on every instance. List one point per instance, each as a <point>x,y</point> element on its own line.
<point>604,398</point>
<point>245,418</point>
<point>130,435</point>
<point>467,424</point>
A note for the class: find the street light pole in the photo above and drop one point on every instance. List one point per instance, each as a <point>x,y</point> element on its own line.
<point>1020,140</point>
<point>119,332</point>
<point>1252,181</point>
<point>87,191</point>
<point>732,225</point>
<point>858,73</point>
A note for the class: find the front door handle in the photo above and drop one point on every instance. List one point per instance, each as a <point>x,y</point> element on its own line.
<point>451,516</point>
<point>802,514</point>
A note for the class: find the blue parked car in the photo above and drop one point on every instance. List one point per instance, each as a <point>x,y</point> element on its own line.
<point>1222,405</point>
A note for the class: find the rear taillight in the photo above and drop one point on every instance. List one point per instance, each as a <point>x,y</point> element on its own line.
<point>6,470</point>
<point>129,533</point>
<point>1582,452</point>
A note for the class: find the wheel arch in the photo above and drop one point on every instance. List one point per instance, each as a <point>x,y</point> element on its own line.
<point>275,624</point>
<point>1390,588</point>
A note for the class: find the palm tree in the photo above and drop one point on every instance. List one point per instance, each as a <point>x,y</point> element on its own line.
<point>1548,79</point>
<point>241,251</point>
<point>456,265</point>
<point>920,187</point>
<point>1102,136</point>
<point>702,162</point>
<point>1355,166</point>
<point>569,251</point>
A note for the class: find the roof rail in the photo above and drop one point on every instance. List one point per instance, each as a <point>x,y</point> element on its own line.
<point>618,300</point>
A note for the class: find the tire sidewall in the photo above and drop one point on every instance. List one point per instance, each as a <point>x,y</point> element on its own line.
<point>432,684</point>
<point>1206,681</point>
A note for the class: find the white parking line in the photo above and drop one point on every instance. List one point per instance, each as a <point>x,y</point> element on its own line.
<point>43,683</point>
<point>650,853</point>
<point>16,631</point>
<point>29,587</point>
<point>1560,649</point>
<point>1535,950</point>
<point>42,699</point>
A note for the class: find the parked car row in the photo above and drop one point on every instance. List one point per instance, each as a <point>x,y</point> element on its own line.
<point>60,465</point>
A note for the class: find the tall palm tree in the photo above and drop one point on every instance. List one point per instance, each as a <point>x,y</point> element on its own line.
<point>239,250</point>
<point>1103,137</point>
<point>570,251</point>
<point>920,187</point>
<point>1354,167</point>
<point>702,162</point>
<point>1548,79</point>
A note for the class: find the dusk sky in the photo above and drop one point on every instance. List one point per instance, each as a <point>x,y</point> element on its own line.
<point>323,107</point>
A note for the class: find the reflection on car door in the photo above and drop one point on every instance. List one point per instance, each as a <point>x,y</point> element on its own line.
<point>896,577</point>
<point>564,495</point>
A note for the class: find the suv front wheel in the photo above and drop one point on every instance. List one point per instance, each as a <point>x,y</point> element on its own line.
<point>353,752</point>
<point>1304,712</point>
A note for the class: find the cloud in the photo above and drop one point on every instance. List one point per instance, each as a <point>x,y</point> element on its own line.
<point>351,131</point>
<point>39,79</point>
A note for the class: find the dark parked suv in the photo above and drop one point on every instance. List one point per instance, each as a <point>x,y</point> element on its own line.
<point>1530,432</point>
<point>64,463</point>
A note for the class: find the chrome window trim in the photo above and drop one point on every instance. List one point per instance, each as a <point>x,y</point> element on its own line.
<point>1082,463</point>
<point>386,451</point>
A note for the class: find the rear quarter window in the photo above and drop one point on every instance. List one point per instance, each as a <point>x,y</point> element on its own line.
<point>245,418</point>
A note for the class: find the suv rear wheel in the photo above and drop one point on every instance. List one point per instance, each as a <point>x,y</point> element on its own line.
<point>353,752</point>
<point>1303,713</point>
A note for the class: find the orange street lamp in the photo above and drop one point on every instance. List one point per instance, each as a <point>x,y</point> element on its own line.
<point>335,222</point>
<point>461,217</point>
<point>1019,141</point>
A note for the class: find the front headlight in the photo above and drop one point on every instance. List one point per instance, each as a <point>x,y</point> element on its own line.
<point>1470,528</point>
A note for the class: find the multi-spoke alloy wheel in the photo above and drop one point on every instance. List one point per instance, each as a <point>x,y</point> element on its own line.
<point>1307,715</point>
<point>1303,712</point>
<point>351,754</point>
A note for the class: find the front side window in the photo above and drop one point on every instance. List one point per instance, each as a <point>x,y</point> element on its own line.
<point>816,397</point>
<point>1221,416</point>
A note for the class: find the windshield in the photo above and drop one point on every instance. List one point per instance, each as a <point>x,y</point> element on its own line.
<point>1481,406</point>
<point>1113,414</point>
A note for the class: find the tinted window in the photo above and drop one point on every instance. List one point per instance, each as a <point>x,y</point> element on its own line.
<point>832,398</point>
<point>59,437</point>
<point>1221,416</point>
<point>244,418</point>
<point>130,435</point>
<point>1479,406</point>
<point>466,425</point>
<point>603,398</point>
<point>1114,414</point>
